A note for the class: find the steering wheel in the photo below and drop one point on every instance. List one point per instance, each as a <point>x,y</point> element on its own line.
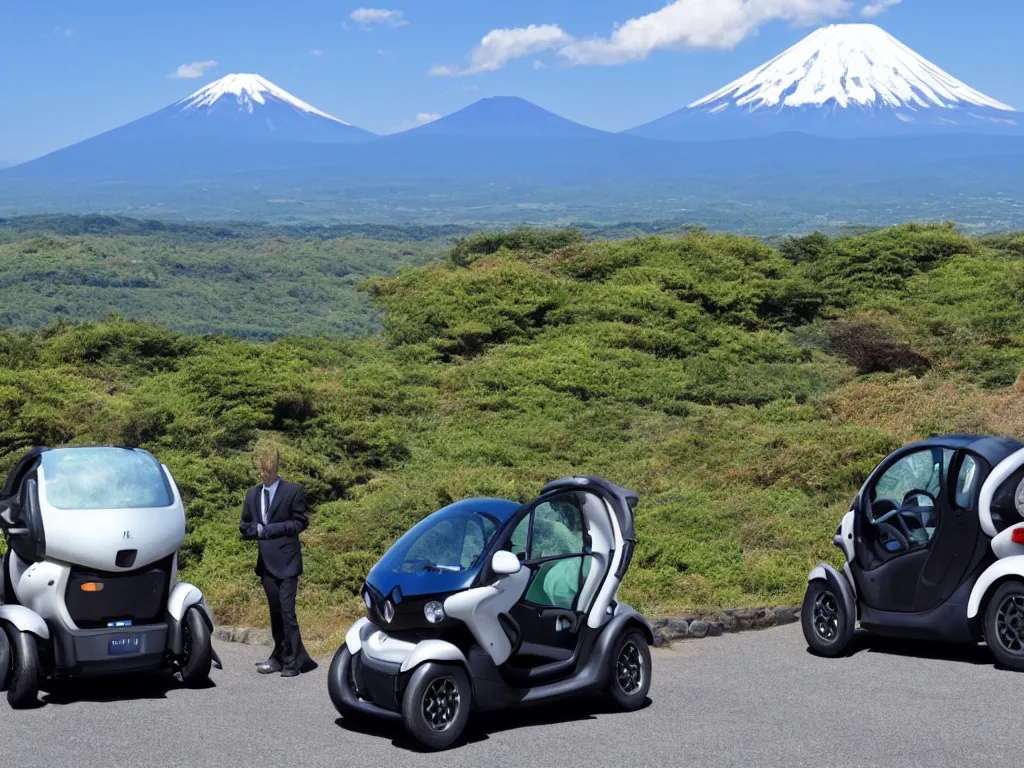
<point>888,533</point>
<point>917,492</point>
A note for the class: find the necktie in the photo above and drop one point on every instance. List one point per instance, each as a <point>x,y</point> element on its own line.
<point>266,504</point>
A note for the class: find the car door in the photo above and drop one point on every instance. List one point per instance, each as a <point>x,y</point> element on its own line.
<point>552,541</point>
<point>904,513</point>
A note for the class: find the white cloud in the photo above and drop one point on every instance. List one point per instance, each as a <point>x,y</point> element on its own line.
<point>64,31</point>
<point>682,24</point>
<point>427,117</point>
<point>193,70</point>
<point>316,52</point>
<point>878,8</point>
<point>370,17</point>
<point>500,46</point>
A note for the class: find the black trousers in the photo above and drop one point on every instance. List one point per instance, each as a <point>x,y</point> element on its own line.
<point>289,651</point>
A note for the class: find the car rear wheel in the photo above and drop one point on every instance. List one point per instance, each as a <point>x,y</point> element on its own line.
<point>24,670</point>
<point>197,649</point>
<point>1004,625</point>
<point>436,705</point>
<point>827,629</point>
<point>630,678</point>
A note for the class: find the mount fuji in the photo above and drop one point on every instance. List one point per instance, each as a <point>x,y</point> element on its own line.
<point>234,123</point>
<point>841,81</point>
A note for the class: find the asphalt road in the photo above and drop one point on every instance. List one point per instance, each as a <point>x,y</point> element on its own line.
<point>755,700</point>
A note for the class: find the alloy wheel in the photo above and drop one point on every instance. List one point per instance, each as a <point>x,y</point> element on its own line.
<point>1010,624</point>
<point>441,703</point>
<point>826,617</point>
<point>629,669</point>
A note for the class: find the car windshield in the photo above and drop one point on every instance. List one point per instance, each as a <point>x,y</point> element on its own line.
<point>448,541</point>
<point>104,478</point>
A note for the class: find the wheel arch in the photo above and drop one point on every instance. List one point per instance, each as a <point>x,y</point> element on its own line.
<point>839,584</point>
<point>997,574</point>
<point>24,619</point>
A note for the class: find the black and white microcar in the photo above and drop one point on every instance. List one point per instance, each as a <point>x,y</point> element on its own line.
<point>89,584</point>
<point>934,550</point>
<point>487,604</point>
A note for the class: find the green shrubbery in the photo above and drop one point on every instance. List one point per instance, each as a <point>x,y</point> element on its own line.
<point>743,391</point>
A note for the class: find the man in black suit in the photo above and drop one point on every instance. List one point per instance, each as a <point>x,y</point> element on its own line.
<point>274,514</point>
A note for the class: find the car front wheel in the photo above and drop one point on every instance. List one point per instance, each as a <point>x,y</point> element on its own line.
<point>23,677</point>
<point>197,656</point>
<point>827,629</point>
<point>436,705</point>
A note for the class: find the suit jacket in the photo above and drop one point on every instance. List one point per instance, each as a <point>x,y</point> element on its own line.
<point>280,552</point>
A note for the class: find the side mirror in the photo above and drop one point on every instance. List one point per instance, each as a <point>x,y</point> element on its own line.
<point>10,511</point>
<point>504,563</point>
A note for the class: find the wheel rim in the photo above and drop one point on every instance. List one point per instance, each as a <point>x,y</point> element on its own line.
<point>186,641</point>
<point>826,617</point>
<point>441,702</point>
<point>1010,624</point>
<point>629,669</point>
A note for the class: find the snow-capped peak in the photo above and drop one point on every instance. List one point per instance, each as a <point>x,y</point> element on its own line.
<point>848,64</point>
<point>247,89</point>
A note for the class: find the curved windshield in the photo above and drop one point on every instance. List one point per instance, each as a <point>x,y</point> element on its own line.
<point>104,478</point>
<point>448,541</point>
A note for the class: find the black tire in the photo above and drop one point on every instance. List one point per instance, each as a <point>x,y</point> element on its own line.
<point>630,674</point>
<point>1004,625</point>
<point>24,680</point>
<point>340,674</point>
<point>431,717</point>
<point>198,649</point>
<point>5,662</point>
<point>827,629</point>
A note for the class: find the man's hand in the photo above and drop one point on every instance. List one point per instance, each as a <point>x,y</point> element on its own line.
<point>270,530</point>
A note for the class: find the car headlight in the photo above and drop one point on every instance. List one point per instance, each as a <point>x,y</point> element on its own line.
<point>367,601</point>
<point>434,612</point>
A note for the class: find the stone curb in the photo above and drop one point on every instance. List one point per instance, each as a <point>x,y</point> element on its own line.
<point>244,635</point>
<point>666,631</point>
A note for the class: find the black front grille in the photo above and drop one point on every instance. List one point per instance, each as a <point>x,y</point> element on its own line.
<point>136,596</point>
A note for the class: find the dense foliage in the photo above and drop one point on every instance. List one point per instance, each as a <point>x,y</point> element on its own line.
<point>743,389</point>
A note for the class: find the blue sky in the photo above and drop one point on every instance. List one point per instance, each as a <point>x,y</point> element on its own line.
<point>72,69</point>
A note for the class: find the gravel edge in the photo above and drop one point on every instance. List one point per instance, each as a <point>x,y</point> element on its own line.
<point>666,631</point>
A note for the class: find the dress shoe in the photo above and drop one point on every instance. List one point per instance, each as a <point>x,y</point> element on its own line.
<point>289,673</point>
<point>266,667</point>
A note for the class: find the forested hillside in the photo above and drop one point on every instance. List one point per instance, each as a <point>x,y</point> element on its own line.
<point>743,390</point>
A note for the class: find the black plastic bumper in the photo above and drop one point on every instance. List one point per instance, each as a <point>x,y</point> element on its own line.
<point>379,690</point>
<point>110,651</point>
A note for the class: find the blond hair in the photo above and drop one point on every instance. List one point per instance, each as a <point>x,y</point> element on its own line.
<point>266,457</point>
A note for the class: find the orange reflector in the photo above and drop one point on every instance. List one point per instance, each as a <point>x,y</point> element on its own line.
<point>92,586</point>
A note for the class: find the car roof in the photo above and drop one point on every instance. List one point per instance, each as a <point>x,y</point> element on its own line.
<point>502,509</point>
<point>992,449</point>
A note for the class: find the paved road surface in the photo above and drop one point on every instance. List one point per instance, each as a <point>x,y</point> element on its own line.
<point>756,700</point>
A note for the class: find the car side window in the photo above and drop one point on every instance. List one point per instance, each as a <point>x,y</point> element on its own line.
<point>904,500</point>
<point>965,483</point>
<point>557,529</point>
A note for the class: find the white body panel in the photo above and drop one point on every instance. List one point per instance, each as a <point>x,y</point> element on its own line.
<point>1004,546</point>
<point>1001,472</point>
<point>92,538</point>
<point>599,616</point>
<point>1010,566</point>
<point>478,609</point>
<point>357,633</point>
<point>24,620</point>
<point>846,532</point>
<point>40,588</point>
<point>602,543</point>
